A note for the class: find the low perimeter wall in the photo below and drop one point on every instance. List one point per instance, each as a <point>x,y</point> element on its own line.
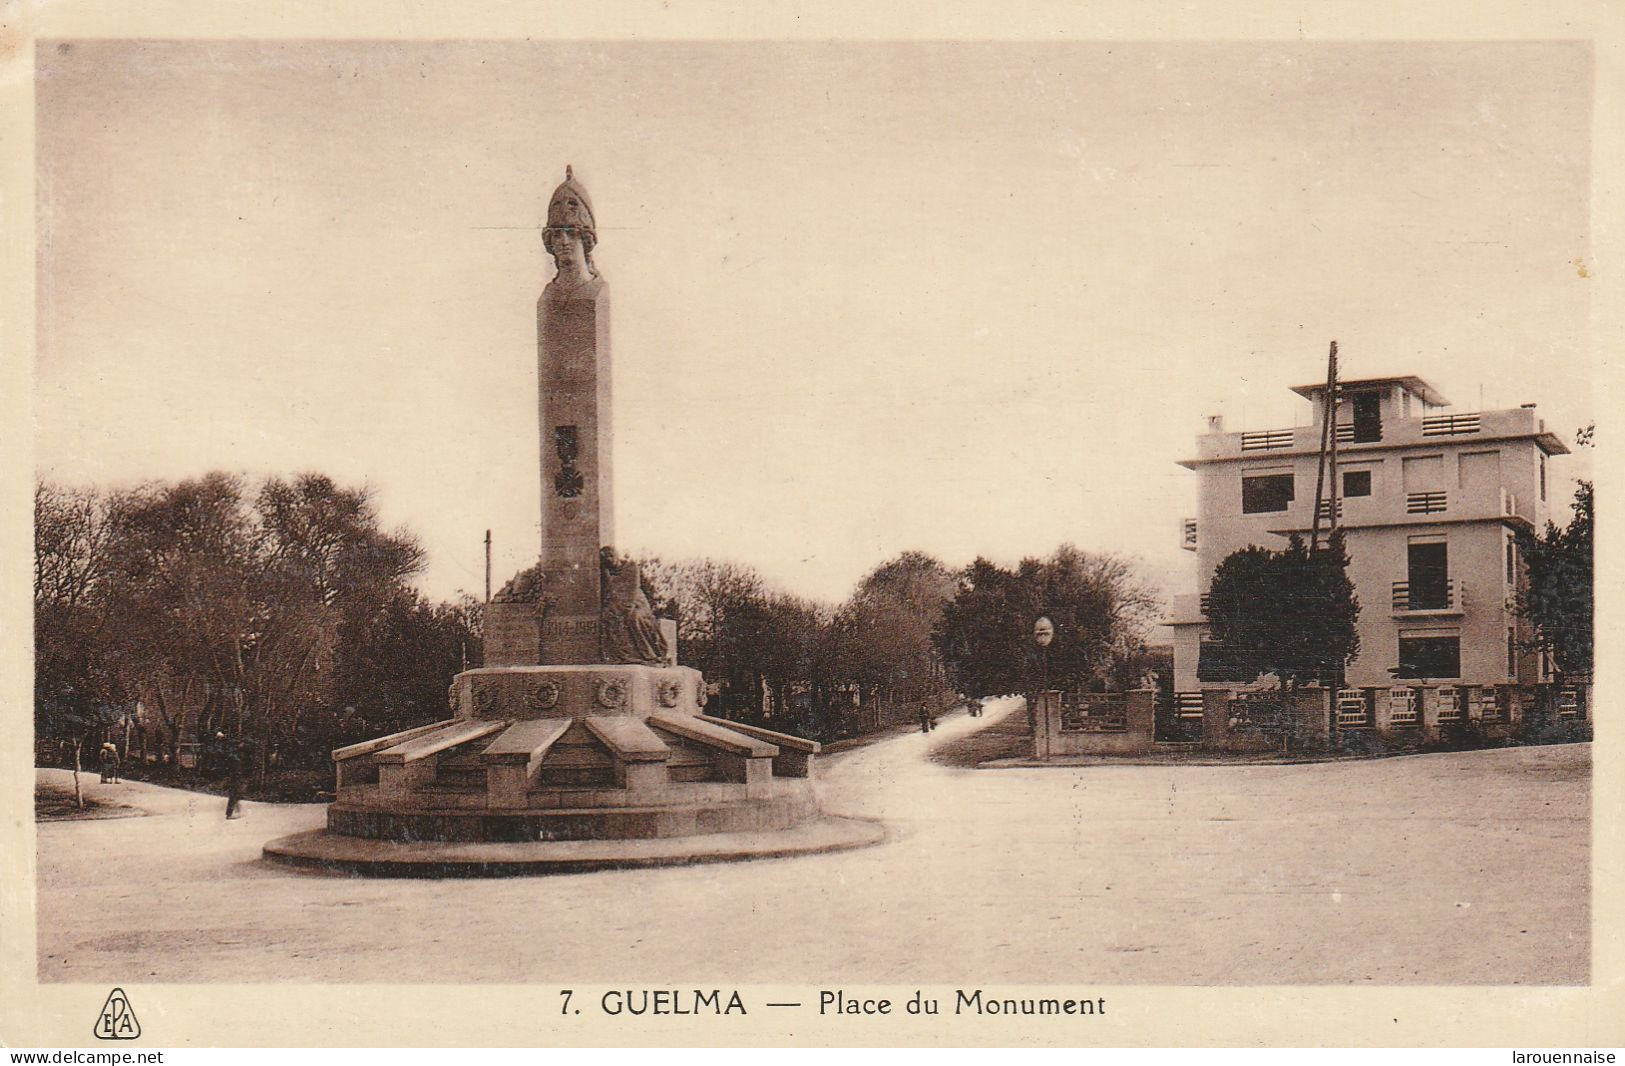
<point>1110,723</point>
<point>1309,719</point>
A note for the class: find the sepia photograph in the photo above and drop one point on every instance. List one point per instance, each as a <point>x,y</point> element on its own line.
<point>1038,520</point>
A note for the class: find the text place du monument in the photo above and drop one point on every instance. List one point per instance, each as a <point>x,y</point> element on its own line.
<point>580,743</point>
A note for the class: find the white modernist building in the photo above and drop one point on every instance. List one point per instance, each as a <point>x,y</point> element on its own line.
<point>1431,503</point>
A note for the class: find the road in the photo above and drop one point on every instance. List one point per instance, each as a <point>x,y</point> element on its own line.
<point>1467,868</point>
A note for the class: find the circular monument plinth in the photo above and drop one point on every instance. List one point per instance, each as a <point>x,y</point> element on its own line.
<point>547,769</point>
<point>335,853</point>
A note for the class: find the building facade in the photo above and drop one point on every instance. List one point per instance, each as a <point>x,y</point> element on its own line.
<point>1431,504</point>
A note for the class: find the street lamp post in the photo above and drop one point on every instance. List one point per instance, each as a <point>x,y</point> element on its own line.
<point>1043,636</point>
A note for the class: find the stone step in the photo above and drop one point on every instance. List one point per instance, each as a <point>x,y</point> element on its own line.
<point>451,788</point>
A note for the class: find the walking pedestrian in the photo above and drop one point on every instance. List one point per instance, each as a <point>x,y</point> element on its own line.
<point>106,757</point>
<point>235,758</point>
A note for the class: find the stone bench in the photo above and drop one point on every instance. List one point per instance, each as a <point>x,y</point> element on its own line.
<point>513,759</point>
<point>406,767</point>
<point>352,769</point>
<point>738,757</point>
<point>640,755</point>
<point>795,753</point>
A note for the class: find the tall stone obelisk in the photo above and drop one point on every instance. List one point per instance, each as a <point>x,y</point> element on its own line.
<point>572,329</point>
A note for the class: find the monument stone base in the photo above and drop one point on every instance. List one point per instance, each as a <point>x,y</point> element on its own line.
<point>544,768</point>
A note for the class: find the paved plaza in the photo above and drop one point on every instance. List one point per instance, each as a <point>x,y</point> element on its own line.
<point>1466,868</point>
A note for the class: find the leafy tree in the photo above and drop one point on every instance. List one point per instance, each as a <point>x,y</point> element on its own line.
<point>1290,613</point>
<point>786,636</point>
<point>1558,594</point>
<point>392,669</point>
<point>1100,607</point>
<point>320,560</point>
<point>717,606</point>
<point>1101,611</point>
<point>891,617</point>
<point>78,665</point>
<point>183,556</point>
<point>985,631</point>
<point>796,659</point>
<point>205,605</point>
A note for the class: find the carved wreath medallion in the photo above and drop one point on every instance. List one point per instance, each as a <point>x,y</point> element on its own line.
<point>453,702</point>
<point>485,697</point>
<point>542,695</point>
<point>670,692</point>
<point>612,692</point>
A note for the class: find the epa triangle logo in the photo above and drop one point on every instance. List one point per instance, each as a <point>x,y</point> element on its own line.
<point>117,1019</point>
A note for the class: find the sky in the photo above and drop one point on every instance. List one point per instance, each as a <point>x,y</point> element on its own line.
<point>970,299</point>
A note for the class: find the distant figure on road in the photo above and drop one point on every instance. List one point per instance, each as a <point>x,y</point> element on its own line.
<point>109,763</point>
<point>925,719</point>
<point>236,757</point>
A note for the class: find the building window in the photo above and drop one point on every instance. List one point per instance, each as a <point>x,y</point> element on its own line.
<point>1357,483</point>
<point>1367,417</point>
<point>1512,654</point>
<point>1270,492</point>
<point>1429,657</point>
<point>1512,560</point>
<point>1428,576</point>
<point>1543,475</point>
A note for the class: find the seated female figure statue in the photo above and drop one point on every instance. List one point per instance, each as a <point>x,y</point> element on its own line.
<point>627,629</point>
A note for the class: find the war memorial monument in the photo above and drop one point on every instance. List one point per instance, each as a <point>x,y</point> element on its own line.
<point>580,743</point>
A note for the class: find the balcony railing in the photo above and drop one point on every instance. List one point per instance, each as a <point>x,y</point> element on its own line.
<point>1436,596</point>
<point>1426,502</point>
<point>1366,433</point>
<point>1267,440</point>
<point>1449,425</point>
<point>1392,431</point>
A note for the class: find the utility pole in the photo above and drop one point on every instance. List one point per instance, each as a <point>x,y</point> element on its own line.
<point>1331,413</point>
<point>488,566</point>
<point>1326,479</point>
<point>1327,468</point>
